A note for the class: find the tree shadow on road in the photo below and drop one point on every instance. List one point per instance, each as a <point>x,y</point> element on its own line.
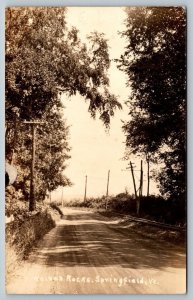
<point>86,239</point>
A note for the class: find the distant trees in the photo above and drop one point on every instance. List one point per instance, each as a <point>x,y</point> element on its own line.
<point>155,64</point>
<point>44,58</point>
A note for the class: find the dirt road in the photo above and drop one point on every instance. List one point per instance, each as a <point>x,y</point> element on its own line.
<point>87,253</point>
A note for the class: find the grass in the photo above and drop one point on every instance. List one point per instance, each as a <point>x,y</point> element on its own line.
<point>126,205</point>
<point>156,233</point>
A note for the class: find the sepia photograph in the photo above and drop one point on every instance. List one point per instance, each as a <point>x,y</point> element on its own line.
<point>95,150</point>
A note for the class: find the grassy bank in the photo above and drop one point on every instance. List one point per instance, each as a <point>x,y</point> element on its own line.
<point>152,208</point>
<point>26,228</point>
<point>146,230</point>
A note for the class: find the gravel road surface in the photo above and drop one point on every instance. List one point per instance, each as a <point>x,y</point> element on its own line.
<point>87,253</point>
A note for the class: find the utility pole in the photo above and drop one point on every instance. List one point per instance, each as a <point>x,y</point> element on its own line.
<point>32,201</point>
<point>62,198</point>
<point>141,180</point>
<point>85,188</point>
<point>107,193</point>
<point>136,197</point>
<point>131,166</point>
<point>148,176</point>
<point>140,188</point>
<point>32,204</point>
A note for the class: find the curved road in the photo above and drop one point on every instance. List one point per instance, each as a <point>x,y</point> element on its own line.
<point>87,253</point>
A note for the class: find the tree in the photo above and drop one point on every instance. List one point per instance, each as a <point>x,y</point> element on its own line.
<point>52,152</point>
<point>52,157</point>
<point>45,59</point>
<point>155,63</point>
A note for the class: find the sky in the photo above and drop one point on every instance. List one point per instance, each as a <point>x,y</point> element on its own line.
<point>94,150</point>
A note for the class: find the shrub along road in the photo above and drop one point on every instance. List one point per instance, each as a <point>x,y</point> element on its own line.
<point>87,253</point>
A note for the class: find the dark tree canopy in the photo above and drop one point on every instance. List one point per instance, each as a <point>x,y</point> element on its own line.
<point>45,59</point>
<point>155,63</point>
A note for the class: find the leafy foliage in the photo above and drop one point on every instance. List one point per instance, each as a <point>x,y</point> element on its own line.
<point>51,154</point>
<point>155,64</point>
<point>152,207</point>
<point>45,59</point>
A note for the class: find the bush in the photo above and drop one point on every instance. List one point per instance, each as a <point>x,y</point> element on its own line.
<point>95,203</point>
<point>23,233</point>
<point>56,207</point>
<point>123,203</point>
<point>152,207</point>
